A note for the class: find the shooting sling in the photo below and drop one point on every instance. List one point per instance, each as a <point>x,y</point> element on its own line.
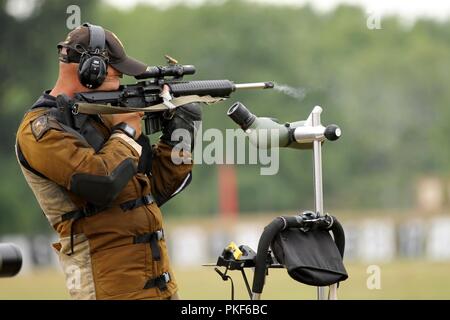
<point>92,108</point>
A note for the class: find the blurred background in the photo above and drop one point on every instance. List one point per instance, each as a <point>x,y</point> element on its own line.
<point>379,69</point>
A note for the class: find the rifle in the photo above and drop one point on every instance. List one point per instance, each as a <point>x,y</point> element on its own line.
<point>146,95</point>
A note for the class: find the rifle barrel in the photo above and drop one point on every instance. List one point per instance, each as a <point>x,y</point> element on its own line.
<point>254,85</point>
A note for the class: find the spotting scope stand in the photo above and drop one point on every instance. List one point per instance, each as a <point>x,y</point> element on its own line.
<point>312,131</point>
<point>306,133</point>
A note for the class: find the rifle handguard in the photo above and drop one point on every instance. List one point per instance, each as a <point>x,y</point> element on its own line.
<point>214,88</point>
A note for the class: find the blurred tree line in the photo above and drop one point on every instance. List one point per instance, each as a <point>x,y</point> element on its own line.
<point>387,89</point>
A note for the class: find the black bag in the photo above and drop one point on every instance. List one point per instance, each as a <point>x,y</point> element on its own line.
<point>310,257</point>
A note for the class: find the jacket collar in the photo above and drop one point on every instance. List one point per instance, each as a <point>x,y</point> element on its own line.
<point>45,100</point>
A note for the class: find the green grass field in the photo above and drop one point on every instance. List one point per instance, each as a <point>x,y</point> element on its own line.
<point>399,280</point>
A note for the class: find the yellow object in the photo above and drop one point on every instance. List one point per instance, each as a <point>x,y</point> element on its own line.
<point>233,248</point>
<point>170,60</point>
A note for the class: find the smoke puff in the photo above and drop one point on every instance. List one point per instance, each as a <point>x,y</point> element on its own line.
<point>297,93</point>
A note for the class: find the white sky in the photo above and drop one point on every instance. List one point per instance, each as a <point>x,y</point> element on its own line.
<point>408,9</point>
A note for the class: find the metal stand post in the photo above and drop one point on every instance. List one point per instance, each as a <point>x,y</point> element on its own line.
<point>318,191</point>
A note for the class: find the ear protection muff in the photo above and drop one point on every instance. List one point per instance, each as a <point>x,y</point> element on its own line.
<point>93,65</point>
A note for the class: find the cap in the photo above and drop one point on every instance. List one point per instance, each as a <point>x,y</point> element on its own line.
<point>77,42</point>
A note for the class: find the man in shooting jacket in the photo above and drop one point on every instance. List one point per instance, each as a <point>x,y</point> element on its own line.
<point>98,180</point>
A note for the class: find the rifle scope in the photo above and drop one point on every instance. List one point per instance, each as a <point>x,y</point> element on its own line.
<point>176,70</point>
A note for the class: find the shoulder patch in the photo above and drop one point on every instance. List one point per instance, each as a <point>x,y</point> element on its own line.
<point>42,124</point>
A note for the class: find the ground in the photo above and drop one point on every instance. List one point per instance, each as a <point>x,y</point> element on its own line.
<point>399,280</point>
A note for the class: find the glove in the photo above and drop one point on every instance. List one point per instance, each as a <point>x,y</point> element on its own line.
<point>145,161</point>
<point>186,117</point>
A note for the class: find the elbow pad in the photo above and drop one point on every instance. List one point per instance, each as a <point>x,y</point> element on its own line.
<point>186,117</point>
<point>102,190</point>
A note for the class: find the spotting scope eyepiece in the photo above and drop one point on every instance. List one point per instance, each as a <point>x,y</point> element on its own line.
<point>10,260</point>
<point>241,115</point>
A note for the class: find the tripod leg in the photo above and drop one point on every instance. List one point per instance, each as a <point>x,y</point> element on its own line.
<point>256,296</point>
<point>321,293</point>
<point>332,294</point>
<point>246,283</point>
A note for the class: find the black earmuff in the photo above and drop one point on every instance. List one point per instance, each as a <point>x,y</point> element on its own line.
<point>93,65</point>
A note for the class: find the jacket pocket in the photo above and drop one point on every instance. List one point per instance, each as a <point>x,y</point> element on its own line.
<point>121,270</point>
